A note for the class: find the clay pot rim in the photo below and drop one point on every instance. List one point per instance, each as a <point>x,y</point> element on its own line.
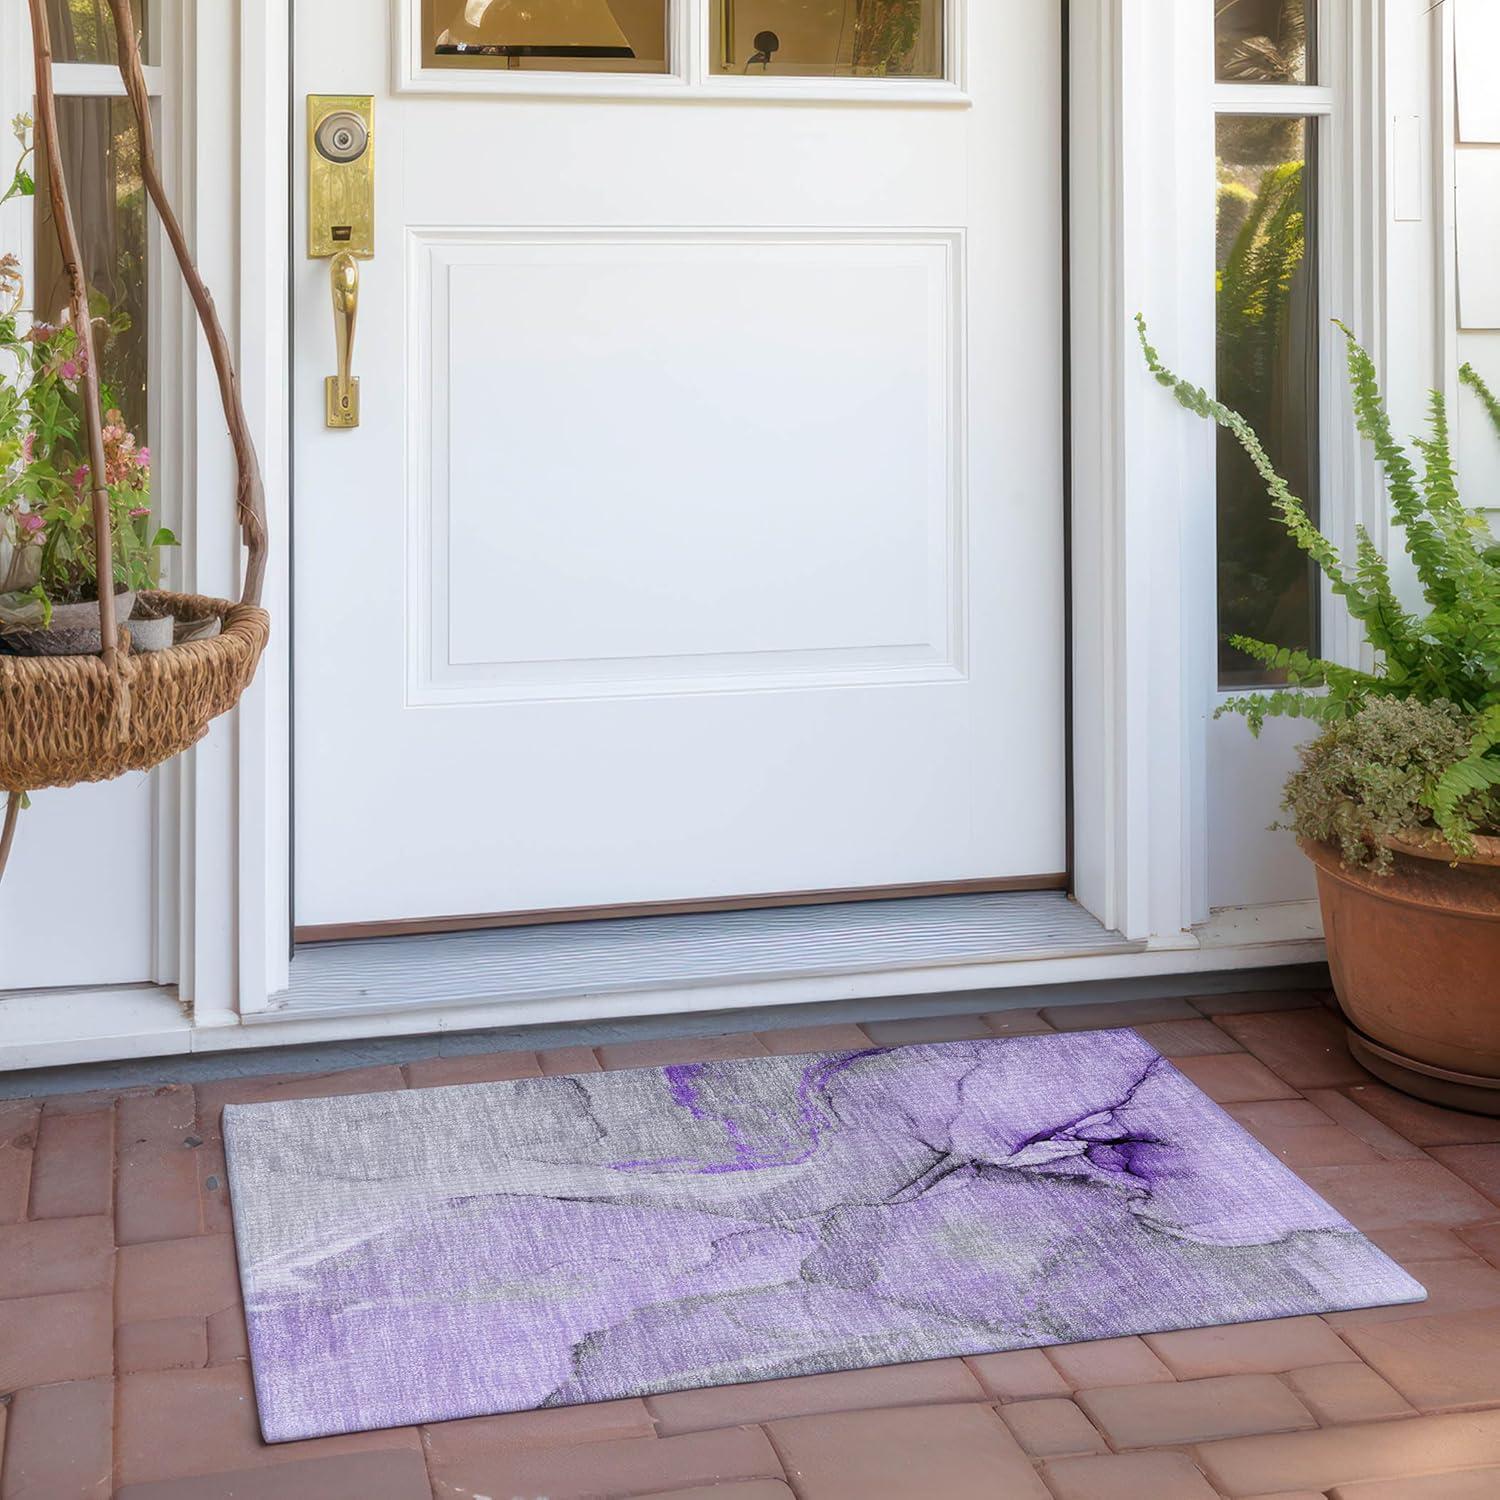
<point>1421,843</point>
<point>1416,843</point>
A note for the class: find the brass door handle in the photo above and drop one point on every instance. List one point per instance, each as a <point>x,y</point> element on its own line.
<point>341,391</point>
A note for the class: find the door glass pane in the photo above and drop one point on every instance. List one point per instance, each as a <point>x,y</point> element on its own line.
<point>109,203</point>
<point>1268,330</point>
<point>84,30</point>
<point>1265,41</point>
<point>548,36</point>
<point>828,38</point>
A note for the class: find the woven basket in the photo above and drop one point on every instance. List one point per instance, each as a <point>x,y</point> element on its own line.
<point>70,719</point>
<point>67,719</point>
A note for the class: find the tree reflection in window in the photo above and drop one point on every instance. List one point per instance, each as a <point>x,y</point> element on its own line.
<point>1268,339</point>
<point>1264,41</point>
<point>829,38</point>
<point>102,162</point>
<point>84,30</point>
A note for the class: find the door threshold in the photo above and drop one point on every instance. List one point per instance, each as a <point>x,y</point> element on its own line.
<point>688,950</point>
<point>346,932</point>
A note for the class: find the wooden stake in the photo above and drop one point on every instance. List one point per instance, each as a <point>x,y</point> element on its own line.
<point>8,831</point>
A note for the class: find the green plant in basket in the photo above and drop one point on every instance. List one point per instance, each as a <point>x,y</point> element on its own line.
<point>1437,772</point>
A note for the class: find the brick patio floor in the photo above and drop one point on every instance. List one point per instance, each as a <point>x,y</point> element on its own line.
<point>122,1346</point>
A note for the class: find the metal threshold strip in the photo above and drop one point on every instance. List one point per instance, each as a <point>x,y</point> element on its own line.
<point>689,950</point>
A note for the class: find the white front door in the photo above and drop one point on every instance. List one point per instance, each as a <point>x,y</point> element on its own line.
<point>702,535</point>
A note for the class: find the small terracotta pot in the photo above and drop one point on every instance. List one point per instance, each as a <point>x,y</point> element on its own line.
<point>1415,957</point>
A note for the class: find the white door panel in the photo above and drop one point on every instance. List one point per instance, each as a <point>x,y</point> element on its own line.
<point>702,535</point>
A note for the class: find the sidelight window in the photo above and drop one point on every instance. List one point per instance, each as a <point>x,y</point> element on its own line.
<point>1269,325</point>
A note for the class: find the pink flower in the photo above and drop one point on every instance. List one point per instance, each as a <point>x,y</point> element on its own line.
<point>143,458</point>
<point>32,524</point>
<point>80,476</point>
<point>139,511</point>
<point>28,447</point>
<point>71,370</point>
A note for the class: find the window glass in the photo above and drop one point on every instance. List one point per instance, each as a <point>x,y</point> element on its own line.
<point>1265,41</point>
<point>1268,333</point>
<point>548,36</point>
<point>828,38</point>
<point>102,164</point>
<point>84,30</point>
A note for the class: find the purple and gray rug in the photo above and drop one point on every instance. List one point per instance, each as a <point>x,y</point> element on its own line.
<point>443,1253</point>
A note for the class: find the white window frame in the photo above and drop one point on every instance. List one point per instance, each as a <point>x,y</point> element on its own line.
<point>1145,560</point>
<point>1343,272</point>
<point>689,76</point>
<point>170,437</point>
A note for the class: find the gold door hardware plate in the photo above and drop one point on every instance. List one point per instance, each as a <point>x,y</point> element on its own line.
<point>341,391</point>
<point>340,175</point>
<point>341,401</point>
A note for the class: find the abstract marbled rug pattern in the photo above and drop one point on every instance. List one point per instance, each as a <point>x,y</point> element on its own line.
<point>453,1252</point>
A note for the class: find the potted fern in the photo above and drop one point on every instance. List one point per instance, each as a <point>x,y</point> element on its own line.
<point>1397,803</point>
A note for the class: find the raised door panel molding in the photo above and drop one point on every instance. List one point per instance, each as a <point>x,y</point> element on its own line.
<point>686,461</point>
<point>1478,233</point>
<point>1476,26</point>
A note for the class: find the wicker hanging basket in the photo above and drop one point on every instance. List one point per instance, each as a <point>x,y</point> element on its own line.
<point>69,719</point>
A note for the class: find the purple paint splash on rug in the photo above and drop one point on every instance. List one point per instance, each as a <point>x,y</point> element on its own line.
<point>445,1253</point>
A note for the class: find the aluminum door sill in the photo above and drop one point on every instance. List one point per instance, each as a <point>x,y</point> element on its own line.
<point>687,951</point>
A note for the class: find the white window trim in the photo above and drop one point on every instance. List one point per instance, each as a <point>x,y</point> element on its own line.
<point>689,77</point>
<point>1349,205</point>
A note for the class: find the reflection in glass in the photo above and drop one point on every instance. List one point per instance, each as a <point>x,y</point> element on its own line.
<point>555,36</point>
<point>1264,41</point>
<point>102,164</point>
<point>84,30</point>
<point>1267,370</point>
<point>829,38</point>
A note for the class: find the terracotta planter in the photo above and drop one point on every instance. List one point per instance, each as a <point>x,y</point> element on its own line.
<point>1416,963</point>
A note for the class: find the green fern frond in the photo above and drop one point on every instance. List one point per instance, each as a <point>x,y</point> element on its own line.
<point>1478,772</point>
<point>1282,703</point>
<point>1291,509</point>
<point>1475,381</point>
<point>1408,502</point>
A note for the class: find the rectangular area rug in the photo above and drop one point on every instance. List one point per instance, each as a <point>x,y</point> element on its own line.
<point>454,1252</point>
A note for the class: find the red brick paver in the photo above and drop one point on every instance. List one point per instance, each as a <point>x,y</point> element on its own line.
<point>124,1366</point>
<point>1131,1476</point>
<point>1108,1362</point>
<point>855,1390</point>
<point>483,1067</point>
<point>586,1471</point>
<point>957,1452</point>
<point>57,1443</point>
<point>1019,1375</point>
<point>1052,1429</point>
<point>72,1173</point>
<point>1195,1411</point>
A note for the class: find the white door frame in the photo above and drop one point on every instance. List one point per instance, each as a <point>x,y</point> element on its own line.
<point>1142,562</point>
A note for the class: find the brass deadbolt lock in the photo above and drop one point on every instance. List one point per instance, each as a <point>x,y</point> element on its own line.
<point>342,136</point>
<point>340,176</point>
